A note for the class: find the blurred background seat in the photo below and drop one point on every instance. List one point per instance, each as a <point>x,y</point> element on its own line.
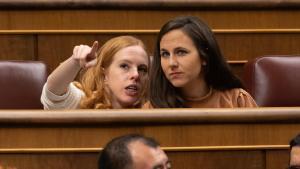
<point>274,80</point>
<point>21,84</point>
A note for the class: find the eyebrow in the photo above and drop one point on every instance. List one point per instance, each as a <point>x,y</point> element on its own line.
<point>125,60</point>
<point>162,49</point>
<point>177,48</point>
<point>181,48</point>
<point>130,62</point>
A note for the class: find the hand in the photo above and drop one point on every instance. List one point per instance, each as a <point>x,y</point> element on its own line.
<point>86,56</point>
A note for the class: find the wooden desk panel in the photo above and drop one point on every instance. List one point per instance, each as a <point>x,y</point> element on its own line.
<point>50,160</point>
<point>277,159</point>
<point>189,134</point>
<point>193,138</point>
<point>18,47</point>
<point>76,19</point>
<point>150,4</point>
<point>180,160</point>
<point>194,127</point>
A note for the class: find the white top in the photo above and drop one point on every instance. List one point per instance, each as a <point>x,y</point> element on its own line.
<point>70,100</point>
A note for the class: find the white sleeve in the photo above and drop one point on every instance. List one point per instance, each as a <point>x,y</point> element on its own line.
<point>70,100</point>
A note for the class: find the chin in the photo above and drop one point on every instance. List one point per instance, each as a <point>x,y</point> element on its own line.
<point>178,84</point>
<point>130,101</point>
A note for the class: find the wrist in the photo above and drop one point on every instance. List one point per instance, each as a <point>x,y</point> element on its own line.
<point>75,62</point>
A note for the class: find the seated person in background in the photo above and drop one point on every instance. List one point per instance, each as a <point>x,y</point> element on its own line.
<point>133,151</point>
<point>114,77</point>
<point>189,70</point>
<point>295,153</point>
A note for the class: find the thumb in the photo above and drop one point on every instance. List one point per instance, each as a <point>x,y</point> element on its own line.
<point>91,63</point>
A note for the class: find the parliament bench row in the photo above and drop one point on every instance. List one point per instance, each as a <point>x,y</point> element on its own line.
<point>271,80</point>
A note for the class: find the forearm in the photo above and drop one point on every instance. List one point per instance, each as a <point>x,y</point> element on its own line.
<point>59,80</point>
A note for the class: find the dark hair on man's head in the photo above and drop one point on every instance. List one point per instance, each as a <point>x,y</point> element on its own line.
<point>116,154</point>
<point>295,141</point>
<point>217,73</point>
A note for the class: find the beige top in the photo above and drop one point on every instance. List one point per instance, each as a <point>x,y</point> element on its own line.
<point>220,99</point>
<point>70,100</point>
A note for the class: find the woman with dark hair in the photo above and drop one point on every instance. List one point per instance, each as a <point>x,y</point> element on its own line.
<point>189,70</point>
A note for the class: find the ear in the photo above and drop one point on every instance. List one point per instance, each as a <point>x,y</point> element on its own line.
<point>104,73</point>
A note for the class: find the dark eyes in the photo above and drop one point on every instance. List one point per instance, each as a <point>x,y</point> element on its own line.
<point>164,54</point>
<point>159,167</point>
<point>124,66</point>
<point>179,52</point>
<point>168,166</point>
<point>142,68</point>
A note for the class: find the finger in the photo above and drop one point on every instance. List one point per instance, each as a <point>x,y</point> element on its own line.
<point>93,53</point>
<point>75,51</point>
<point>95,47</point>
<point>80,51</point>
<point>91,63</point>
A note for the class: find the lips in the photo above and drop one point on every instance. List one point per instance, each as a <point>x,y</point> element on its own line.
<point>132,90</point>
<point>175,74</point>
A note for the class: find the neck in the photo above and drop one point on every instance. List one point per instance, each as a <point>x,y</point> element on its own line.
<point>195,90</point>
<point>116,105</point>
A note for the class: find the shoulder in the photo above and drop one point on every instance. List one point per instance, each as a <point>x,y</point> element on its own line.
<point>242,98</point>
<point>239,92</point>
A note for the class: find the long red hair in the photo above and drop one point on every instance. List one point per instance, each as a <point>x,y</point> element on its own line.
<point>92,80</point>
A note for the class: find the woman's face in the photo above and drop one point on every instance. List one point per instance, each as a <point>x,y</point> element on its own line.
<point>125,78</point>
<point>180,59</point>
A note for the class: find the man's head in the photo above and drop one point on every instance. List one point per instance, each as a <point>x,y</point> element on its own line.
<point>295,153</point>
<point>133,151</point>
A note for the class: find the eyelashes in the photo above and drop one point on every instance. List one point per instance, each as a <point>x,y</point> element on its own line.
<point>142,68</point>
<point>177,52</point>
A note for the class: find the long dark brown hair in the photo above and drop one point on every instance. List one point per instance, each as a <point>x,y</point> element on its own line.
<point>217,73</point>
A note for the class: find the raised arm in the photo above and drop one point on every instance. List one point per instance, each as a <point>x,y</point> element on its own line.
<point>83,57</point>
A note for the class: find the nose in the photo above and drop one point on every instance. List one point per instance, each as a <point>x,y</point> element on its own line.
<point>173,61</point>
<point>134,74</point>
